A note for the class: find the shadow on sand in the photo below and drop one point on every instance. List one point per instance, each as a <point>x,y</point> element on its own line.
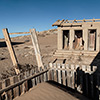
<point>68,90</point>
<point>86,82</point>
<point>90,81</point>
<point>3,44</point>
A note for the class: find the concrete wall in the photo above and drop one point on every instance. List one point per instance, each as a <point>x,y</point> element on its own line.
<point>84,27</point>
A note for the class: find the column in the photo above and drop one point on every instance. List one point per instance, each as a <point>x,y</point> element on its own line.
<point>71,38</point>
<point>98,39</point>
<point>85,38</point>
<point>60,39</point>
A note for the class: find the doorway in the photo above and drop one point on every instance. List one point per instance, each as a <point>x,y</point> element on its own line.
<point>78,43</point>
<point>66,39</point>
<point>92,39</point>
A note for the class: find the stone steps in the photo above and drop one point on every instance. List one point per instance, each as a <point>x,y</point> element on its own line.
<point>65,53</point>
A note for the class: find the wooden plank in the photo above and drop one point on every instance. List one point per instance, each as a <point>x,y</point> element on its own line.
<point>9,93</point>
<point>0,85</point>
<point>32,71</point>
<point>25,86</point>
<point>73,76</point>
<point>83,68</point>
<point>21,81</point>
<point>36,81</point>
<point>94,68</point>
<point>19,33</point>
<point>33,82</point>
<point>97,87</point>
<point>59,74</point>
<point>36,48</point>
<point>40,78</point>
<point>63,22</point>
<point>68,74</point>
<point>22,85</point>
<point>44,74</point>
<point>63,75</point>
<point>68,77</point>
<point>51,75</point>
<point>11,50</point>
<point>86,83</point>
<point>16,89</point>
<point>27,73</point>
<point>55,72</point>
<point>44,77</point>
<point>3,96</point>
<point>90,85</point>
<point>80,74</point>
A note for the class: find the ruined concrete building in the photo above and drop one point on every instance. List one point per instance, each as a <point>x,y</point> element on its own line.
<point>78,41</point>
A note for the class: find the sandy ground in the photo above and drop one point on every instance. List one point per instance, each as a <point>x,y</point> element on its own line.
<point>25,52</point>
<point>48,91</point>
<point>25,55</point>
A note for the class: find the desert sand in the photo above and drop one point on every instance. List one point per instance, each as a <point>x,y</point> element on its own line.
<point>48,91</point>
<point>25,52</point>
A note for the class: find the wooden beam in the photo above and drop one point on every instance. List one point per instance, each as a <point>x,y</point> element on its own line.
<point>11,50</point>
<point>58,23</point>
<point>36,48</point>
<point>19,33</point>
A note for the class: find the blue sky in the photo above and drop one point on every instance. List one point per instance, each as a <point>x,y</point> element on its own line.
<point>22,15</point>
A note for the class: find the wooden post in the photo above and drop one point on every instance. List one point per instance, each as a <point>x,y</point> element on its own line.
<point>11,50</point>
<point>36,48</point>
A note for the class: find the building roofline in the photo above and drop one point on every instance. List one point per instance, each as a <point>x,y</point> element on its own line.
<point>66,22</point>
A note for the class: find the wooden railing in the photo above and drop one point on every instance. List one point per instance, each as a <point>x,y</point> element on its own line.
<point>19,84</point>
<point>81,78</point>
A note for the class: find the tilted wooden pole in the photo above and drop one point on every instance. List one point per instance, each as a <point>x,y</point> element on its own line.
<point>36,48</point>
<point>11,50</point>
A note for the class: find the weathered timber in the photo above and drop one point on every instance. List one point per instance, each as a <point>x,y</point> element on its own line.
<point>36,48</point>
<point>11,50</point>
<point>21,81</point>
<point>59,22</point>
<point>63,75</point>
<point>19,33</point>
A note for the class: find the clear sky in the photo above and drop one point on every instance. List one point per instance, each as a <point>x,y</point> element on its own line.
<point>22,15</point>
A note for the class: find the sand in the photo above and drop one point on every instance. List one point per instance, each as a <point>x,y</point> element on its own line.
<point>25,52</point>
<point>48,91</point>
<point>25,55</point>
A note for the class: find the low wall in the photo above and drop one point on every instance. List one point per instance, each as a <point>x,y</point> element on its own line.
<point>81,78</point>
<point>19,84</point>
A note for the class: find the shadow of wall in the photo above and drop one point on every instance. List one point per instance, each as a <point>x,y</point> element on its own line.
<point>88,82</point>
<point>3,44</point>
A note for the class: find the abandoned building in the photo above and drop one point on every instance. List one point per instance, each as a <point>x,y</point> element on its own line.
<point>78,41</point>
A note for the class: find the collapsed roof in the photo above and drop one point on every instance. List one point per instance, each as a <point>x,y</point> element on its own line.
<point>73,22</point>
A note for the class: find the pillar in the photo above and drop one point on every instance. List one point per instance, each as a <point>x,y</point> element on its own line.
<point>71,38</point>
<point>60,39</point>
<point>85,38</point>
<point>98,39</point>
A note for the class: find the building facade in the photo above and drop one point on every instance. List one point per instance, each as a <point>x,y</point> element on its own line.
<point>78,37</point>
